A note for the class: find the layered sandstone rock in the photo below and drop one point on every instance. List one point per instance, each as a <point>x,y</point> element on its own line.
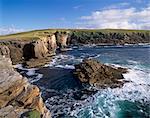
<point>17,95</point>
<point>99,75</point>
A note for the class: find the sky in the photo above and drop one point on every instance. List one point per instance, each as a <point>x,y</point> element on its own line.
<point>22,15</point>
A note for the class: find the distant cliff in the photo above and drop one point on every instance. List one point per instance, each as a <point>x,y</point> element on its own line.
<point>109,37</point>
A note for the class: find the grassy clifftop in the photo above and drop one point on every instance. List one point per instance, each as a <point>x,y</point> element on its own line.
<point>32,34</point>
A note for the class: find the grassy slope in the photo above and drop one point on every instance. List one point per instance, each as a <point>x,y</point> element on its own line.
<point>35,33</point>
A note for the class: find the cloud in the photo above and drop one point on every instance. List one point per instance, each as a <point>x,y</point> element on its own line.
<point>77,7</point>
<point>119,5</point>
<point>9,30</point>
<point>118,18</point>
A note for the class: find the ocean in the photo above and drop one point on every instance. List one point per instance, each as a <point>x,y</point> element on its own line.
<point>66,97</point>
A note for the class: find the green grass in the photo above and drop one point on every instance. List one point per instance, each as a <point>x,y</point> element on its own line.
<point>31,114</point>
<point>29,35</point>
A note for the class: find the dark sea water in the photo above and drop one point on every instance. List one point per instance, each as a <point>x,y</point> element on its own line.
<point>67,98</point>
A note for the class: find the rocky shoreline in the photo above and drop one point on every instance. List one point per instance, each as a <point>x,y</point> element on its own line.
<point>42,46</point>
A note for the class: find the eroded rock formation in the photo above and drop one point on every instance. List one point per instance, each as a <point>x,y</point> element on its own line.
<point>99,75</point>
<point>31,52</point>
<point>17,95</point>
<point>61,39</point>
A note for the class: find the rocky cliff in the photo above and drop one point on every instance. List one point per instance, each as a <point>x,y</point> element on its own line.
<point>18,98</point>
<point>35,51</point>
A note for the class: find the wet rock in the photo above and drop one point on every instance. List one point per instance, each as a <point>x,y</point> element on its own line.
<point>99,75</point>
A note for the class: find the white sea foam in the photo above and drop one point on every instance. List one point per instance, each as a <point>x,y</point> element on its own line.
<point>95,56</point>
<point>37,78</point>
<point>19,66</point>
<point>52,63</point>
<point>132,62</point>
<point>30,72</point>
<point>137,76</point>
<point>59,59</point>
<point>65,66</point>
<point>136,73</point>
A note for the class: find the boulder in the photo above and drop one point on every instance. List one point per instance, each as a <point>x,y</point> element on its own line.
<point>99,75</point>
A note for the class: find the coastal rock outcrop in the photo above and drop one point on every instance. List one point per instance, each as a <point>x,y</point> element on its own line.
<point>99,75</point>
<point>61,39</point>
<point>17,95</point>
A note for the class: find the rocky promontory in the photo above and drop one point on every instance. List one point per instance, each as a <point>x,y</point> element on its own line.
<point>18,98</point>
<point>99,75</point>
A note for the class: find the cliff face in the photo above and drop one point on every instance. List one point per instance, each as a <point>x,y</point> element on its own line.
<point>17,96</point>
<point>109,38</point>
